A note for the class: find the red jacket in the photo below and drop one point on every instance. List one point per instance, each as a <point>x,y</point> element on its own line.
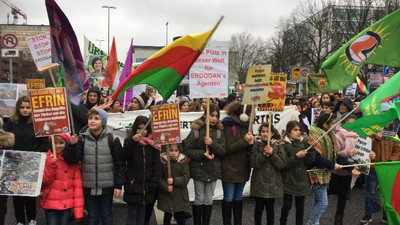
<point>62,186</point>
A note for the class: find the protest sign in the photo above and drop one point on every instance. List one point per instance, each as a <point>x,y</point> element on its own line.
<point>351,90</point>
<point>276,93</point>
<point>40,49</point>
<point>209,74</point>
<point>9,94</point>
<point>121,123</point>
<point>363,148</point>
<point>257,85</point>
<point>165,124</point>
<point>21,172</point>
<point>49,111</point>
<point>35,83</point>
<point>314,114</point>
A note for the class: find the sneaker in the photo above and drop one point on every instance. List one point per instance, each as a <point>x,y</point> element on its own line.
<point>384,220</point>
<point>32,222</point>
<point>366,219</point>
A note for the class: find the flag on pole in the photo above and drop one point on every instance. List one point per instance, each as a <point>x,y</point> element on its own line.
<point>166,68</point>
<point>126,98</point>
<point>65,50</point>
<point>389,185</point>
<point>377,45</point>
<point>111,68</point>
<point>361,85</point>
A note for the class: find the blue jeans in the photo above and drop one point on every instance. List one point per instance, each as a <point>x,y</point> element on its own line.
<point>99,206</point>
<point>372,184</point>
<point>57,217</point>
<point>232,191</point>
<point>135,214</point>
<point>320,202</point>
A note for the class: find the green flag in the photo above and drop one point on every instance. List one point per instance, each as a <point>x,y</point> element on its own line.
<point>382,98</point>
<point>389,184</point>
<point>316,83</point>
<point>378,44</point>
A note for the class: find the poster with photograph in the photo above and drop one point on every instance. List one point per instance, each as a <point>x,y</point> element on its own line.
<point>21,172</point>
<point>10,94</point>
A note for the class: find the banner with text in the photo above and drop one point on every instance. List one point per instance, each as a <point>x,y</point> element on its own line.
<point>121,123</point>
<point>165,124</point>
<point>21,172</point>
<point>209,74</point>
<point>257,85</point>
<point>276,93</point>
<point>49,111</point>
<point>35,84</point>
<point>40,49</point>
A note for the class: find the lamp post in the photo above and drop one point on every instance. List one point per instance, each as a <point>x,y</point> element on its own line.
<point>108,7</point>
<point>99,43</point>
<point>166,34</point>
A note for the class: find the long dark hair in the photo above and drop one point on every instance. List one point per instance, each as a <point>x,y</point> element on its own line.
<point>324,118</point>
<point>139,120</point>
<point>15,116</point>
<point>213,108</point>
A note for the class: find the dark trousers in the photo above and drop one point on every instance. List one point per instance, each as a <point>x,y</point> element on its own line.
<point>57,217</point>
<point>268,203</point>
<point>136,215</point>
<point>179,217</point>
<point>287,205</point>
<point>99,206</point>
<point>22,204</point>
<point>340,185</point>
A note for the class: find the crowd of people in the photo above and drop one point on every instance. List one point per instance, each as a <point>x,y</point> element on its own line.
<point>91,166</point>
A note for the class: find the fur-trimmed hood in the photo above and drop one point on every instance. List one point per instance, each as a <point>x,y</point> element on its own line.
<point>273,141</point>
<point>197,124</point>
<point>181,158</point>
<point>286,139</point>
<point>7,139</point>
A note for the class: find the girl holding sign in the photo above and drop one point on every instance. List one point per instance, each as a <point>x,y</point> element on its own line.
<point>266,159</point>
<point>20,124</point>
<point>143,170</point>
<point>205,167</point>
<point>236,163</point>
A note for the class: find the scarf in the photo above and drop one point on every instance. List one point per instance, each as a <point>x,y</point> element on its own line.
<point>148,141</point>
<point>327,149</point>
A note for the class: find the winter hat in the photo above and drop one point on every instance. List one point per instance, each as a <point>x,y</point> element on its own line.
<point>346,101</point>
<point>184,99</point>
<point>67,137</point>
<point>103,116</point>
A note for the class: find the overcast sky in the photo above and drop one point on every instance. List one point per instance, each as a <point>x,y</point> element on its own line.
<point>145,20</point>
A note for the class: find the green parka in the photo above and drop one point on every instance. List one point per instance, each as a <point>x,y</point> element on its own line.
<point>266,180</point>
<point>295,177</point>
<point>236,163</point>
<point>202,168</point>
<point>178,199</point>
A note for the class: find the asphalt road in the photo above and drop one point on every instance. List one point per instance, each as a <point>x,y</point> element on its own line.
<point>354,212</point>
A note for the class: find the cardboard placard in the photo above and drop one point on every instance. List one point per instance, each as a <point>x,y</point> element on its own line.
<point>49,111</point>
<point>257,85</point>
<point>165,124</point>
<point>276,93</point>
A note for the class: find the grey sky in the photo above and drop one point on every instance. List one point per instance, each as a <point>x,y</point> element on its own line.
<point>145,20</point>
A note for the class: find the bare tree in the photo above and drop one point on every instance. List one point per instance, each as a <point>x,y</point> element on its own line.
<point>247,51</point>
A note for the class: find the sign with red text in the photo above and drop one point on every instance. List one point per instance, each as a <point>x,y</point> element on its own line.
<point>257,85</point>
<point>49,111</point>
<point>276,93</point>
<point>40,48</point>
<point>208,77</point>
<point>165,124</point>
<point>35,84</point>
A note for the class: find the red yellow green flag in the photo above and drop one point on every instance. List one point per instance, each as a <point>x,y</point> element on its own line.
<point>389,184</point>
<point>166,68</point>
<point>361,85</point>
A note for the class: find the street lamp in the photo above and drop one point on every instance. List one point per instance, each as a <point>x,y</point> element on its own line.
<point>166,35</point>
<point>99,43</point>
<point>108,7</point>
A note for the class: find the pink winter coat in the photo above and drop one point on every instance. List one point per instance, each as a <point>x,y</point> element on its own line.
<point>62,186</point>
<point>346,140</point>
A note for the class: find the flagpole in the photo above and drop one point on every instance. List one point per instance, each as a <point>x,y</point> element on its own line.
<point>330,129</point>
<point>151,117</point>
<point>344,166</point>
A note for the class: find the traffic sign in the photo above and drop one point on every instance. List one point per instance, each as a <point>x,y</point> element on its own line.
<point>296,72</point>
<point>9,53</point>
<point>9,41</point>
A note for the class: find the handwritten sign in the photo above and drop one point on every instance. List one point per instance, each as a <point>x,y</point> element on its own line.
<point>40,49</point>
<point>363,148</point>
<point>257,85</point>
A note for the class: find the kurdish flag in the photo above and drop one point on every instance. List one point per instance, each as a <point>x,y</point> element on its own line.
<point>361,85</point>
<point>389,184</point>
<point>377,44</point>
<point>166,68</point>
